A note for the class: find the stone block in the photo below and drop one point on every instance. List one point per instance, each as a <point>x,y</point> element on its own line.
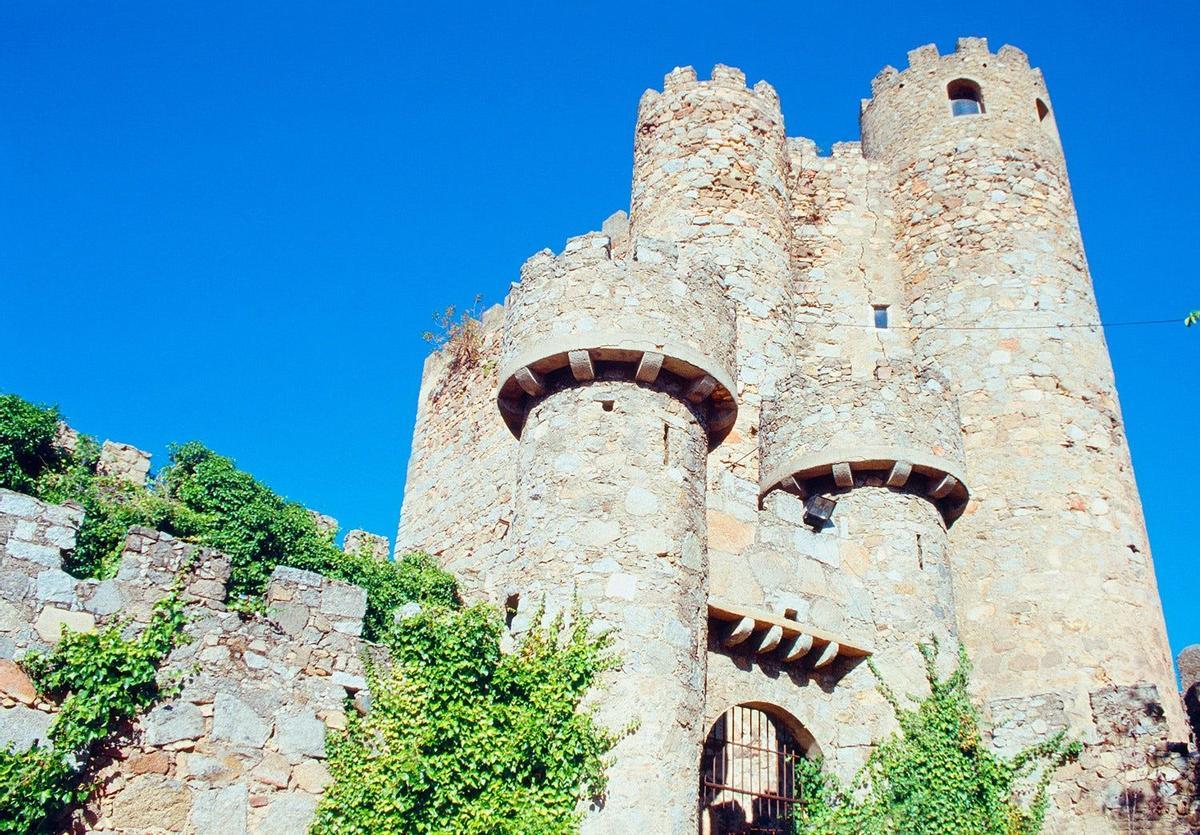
<point>343,600</point>
<point>55,586</point>
<point>221,810</point>
<point>172,722</point>
<point>45,555</point>
<point>290,617</point>
<point>15,684</point>
<point>288,814</point>
<point>22,727</point>
<point>237,722</point>
<point>300,733</point>
<point>151,803</point>
<point>51,622</point>
<point>312,776</point>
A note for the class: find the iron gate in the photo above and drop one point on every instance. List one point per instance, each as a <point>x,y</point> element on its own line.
<point>748,775</point>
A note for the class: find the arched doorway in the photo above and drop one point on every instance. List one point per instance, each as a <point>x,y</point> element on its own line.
<point>748,780</point>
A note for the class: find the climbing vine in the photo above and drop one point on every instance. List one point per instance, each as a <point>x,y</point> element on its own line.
<point>936,775</point>
<point>462,738</point>
<point>98,679</point>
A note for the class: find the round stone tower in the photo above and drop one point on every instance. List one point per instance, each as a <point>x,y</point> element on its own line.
<point>888,451</point>
<point>618,379</point>
<point>710,174</point>
<point>1053,579</point>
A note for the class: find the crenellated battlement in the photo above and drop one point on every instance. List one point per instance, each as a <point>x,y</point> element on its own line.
<point>1000,98</point>
<point>723,77</point>
<point>583,315</point>
<point>967,51</point>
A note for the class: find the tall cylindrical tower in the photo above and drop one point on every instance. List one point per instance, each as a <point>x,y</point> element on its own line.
<point>888,451</point>
<point>710,174</point>
<point>618,377</point>
<point>1053,579</point>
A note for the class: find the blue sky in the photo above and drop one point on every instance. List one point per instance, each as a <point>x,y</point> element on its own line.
<point>233,221</point>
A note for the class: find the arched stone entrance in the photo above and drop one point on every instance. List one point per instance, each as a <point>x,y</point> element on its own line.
<point>748,779</point>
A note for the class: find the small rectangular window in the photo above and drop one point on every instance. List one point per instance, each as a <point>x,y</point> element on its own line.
<point>881,315</point>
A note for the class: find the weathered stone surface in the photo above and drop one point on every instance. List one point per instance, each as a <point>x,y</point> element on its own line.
<point>221,810</point>
<point>51,622</point>
<point>237,722</point>
<point>172,722</point>
<point>22,728</point>
<point>124,461</point>
<point>343,600</point>
<point>152,803</point>
<point>15,684</point>
<point>288,814</point>
<point>312,776</point>
<point>300,733</point>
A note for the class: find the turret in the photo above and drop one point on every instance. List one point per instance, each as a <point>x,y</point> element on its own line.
<point>1053,579</point>
<point>618,378</point>
<point>878,460</point>
<point>711,175</point>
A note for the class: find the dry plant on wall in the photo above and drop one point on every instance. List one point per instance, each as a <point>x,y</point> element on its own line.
<point>460,335</point>
<point>459,332</point>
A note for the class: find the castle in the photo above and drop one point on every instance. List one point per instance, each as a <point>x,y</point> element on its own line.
<point>794,410</point>
<point>791,414</point>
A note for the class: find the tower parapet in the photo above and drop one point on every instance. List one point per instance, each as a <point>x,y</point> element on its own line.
<point>583,315</point>
<point>827,427</point>
<point>967,96</point>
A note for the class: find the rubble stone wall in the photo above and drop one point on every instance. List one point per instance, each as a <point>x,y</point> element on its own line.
<point>459,491</point>
<point>241,748</point>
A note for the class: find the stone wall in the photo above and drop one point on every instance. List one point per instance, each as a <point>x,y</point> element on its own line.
<point>459,491</point>
<point>241,748</point>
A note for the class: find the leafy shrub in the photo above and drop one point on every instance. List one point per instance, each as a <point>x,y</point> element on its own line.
<point>464,739</point>
<point>936,774</point>
<point>202,497</point>
<point>233,512</point>
<point>27,434</point>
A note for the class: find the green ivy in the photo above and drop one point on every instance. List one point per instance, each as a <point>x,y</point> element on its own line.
<point>936,775</point>
<point>462,738</point>
<point>238,515</point>
<point>99,679</point>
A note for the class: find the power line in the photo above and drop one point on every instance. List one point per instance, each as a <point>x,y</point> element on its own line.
<point>1126,324</point>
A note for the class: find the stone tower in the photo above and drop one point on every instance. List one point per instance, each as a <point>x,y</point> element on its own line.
<point>617,376</point>
<point>799,409</point>
<point>1053,578</point>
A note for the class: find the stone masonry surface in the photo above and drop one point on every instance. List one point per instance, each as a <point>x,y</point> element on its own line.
<point>241,748</point>
<point>872,346</point>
